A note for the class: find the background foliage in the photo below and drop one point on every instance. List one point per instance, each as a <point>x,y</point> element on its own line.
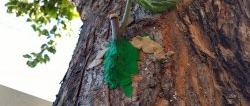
<point>49,18</point>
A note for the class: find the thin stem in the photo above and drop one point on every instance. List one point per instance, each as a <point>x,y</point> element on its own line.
<point>114,26</point>
<point>125,16</point>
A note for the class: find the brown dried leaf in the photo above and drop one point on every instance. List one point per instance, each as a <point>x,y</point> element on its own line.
<point>137,42</point>
<point>101,53</point>
<point>98,59</point>
<point>136,78</point>
<point>161,102</point>
<point>149,46</point>
<point>94,63</point>
<point>170,53</point>
<point>160,54</point>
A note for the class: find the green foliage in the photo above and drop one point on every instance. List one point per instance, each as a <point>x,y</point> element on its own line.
<point>49,18</point>
<point>157,6</point>
<point>41,57</point>
<point>120,62</point>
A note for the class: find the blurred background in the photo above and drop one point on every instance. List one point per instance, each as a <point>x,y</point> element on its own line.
<point>16,39</point>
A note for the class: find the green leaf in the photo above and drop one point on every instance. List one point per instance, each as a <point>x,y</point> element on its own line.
<point>27,56</point>
<point>34,27</point>
<point>29,63</point>
<point>18,14</point>
<point>44,46</point>
<point>51,42</point>
<point>28,20</point>
<point>58,35</point>
<point>34,54</point>
<point>46,58</point>
<point>120,62</point>
<point>32,64</point>
<point>64,27</point>
<point>52,50</point>
<point>157,6</point>
<point>45,32</point>
<point>53,30</point>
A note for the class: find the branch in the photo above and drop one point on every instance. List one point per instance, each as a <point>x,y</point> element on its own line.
<point>125,16</point>
<point>114,26</point>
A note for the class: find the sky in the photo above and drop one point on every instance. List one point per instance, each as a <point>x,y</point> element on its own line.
<point>16,39</point>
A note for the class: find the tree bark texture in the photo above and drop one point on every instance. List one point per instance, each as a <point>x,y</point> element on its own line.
<point>210,65</point>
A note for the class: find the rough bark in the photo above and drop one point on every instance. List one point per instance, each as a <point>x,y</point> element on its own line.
<point>210,65</point>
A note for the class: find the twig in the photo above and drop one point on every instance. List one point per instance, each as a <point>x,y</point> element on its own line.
<point>114,26</point>
<point>125,16</point>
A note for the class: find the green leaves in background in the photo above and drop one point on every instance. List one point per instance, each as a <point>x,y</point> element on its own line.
<point>49,18</point>
<point>41,57</point>
<point>157,6</point>
<point>120,62</point>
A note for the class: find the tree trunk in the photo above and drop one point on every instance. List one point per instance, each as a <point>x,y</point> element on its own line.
<point>210,65</point>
